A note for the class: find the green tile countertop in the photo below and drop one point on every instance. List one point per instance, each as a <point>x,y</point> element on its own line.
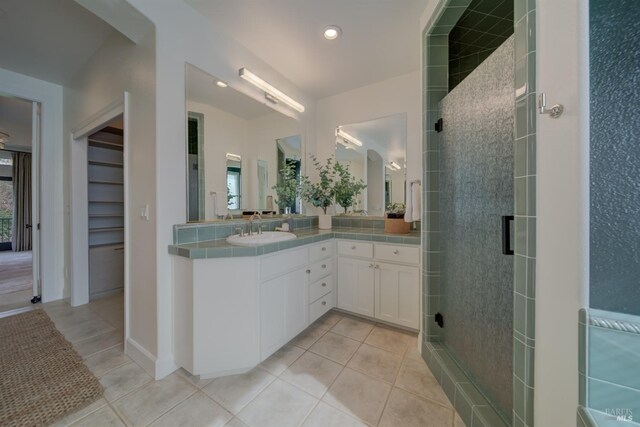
<point>221,249</point>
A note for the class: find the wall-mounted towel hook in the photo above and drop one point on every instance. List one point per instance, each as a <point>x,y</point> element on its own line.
<point>554,112</point>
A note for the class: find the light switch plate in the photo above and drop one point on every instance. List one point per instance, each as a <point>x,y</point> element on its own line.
<point>144,212</point>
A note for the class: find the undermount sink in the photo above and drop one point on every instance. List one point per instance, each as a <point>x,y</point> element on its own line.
<point>260,239</point>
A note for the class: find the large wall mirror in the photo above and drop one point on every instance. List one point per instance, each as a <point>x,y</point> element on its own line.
<point>375,151</point>
<point>236,150</point>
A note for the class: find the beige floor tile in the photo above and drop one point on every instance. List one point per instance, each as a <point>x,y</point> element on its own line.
<point>196,411</point>
<point>98,343</point>
<point>68,319</point>
<point>234,392</point>
<point>75,416</point>
<point>193,379</point>
<point>103,417</point>
<point>279,361</point>
<point>103,362</point>
<point>146,404</point>
<point>415,376</point>
<point>327,416</point>
<point>328,321</point>
<point>457,421</point>
<point>335,347</point>
<point>235,422</point>
<point>391,340</point>
<point>308,337</point>
<point>312,373</point>
<point>412,352</point>
<point>123,380</point>
<point>279,405</point>
<point>376,362</point>
<point>407,410</point>
<point>353,328</point>
<point>87,329</point>
<point>358,395</point>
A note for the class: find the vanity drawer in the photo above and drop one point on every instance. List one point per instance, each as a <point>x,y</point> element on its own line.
<point>398,253</point>
<point>321,251</point>
<point>320,269</point>
<point>352,248</point>
<point>281,262</point>
<point>320,288</point>
<point>320,307</point>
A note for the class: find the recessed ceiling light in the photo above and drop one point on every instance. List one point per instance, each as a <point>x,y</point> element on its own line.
<point>332,32</point>
<point>220,83</point>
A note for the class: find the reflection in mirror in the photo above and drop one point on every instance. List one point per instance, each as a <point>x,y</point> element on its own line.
<point>289,156</point>
<point>236,147</point>
<point>375,152</point>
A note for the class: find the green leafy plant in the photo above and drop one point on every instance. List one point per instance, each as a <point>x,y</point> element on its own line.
<point>347,187</point>
<point>287,189</point>
<point>320,194</point>
<point>396,210</point>
<point>230,197</point>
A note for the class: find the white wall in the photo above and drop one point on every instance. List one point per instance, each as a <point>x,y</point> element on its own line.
<point>119,66</point>
<point>15,119</point>
<point>52,220</point>
<point>562,269</point>
<point>396,95</point>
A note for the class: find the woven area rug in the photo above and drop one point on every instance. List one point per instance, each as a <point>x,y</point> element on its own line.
<point>42,378</point>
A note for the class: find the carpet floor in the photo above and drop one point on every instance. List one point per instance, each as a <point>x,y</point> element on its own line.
<point>42,378</point>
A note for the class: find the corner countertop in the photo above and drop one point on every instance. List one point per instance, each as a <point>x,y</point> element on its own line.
<point>221,249</point>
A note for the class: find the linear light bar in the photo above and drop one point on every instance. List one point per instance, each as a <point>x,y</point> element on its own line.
<point>234,157</point>
<point>394,165</point>
<point>342,134</point>
<point>261,84</point>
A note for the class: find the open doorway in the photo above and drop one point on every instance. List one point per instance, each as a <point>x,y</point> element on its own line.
<point>19,203</point>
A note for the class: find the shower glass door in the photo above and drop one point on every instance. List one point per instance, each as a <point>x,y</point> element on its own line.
<point>476,190</point>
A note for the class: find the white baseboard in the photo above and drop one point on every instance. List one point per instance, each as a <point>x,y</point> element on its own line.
<point>141,356</point>
<point>224,373</point>
<point>165,366</point>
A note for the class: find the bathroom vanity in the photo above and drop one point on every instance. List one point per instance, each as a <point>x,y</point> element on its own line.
<point>232,312</point>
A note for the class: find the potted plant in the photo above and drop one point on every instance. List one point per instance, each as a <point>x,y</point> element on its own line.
<point>347,187</point>
<point>287,189</point>
<point>394,222</point>
<point>320,194</point>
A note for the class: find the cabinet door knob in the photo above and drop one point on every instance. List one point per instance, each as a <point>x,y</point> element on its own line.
<point>324,303</point>
<point>376,266</point>
<point>324,284</point>
<point>324,249</point>
<point>353,247</point>
<point>395,251</point>
<point>324,265</point>
<point>308,271</point>
<point>370,265</point>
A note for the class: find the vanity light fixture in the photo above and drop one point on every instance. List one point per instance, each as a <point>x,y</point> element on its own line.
<point>393,165</point>
<point>332,32</point>
<point>222,84</point>
<point>270,90</point>
<point>234,157</point>
<point>342,134</point>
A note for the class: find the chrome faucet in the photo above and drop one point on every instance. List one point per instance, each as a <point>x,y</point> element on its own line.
<point>259,218</point>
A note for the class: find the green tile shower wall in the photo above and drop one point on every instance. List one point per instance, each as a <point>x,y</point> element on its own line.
<point>609,349</point>
<point>614,49</point>
<point>435,88</point>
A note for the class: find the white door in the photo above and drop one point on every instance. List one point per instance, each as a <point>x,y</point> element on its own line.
<point>35,197</point>
<point>355,286</point>
<point>396,294</point>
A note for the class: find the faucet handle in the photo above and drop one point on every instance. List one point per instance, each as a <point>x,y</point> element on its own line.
<point>240,231</point>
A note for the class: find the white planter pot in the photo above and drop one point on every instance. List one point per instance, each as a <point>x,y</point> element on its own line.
<point>324,222</point>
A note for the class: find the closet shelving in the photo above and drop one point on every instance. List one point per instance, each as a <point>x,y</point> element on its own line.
<point>106,211</point>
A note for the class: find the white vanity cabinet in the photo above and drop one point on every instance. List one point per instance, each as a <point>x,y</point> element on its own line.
<point>380,280</point>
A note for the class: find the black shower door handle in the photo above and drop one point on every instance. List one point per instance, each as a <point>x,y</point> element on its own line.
<point>506,235</point>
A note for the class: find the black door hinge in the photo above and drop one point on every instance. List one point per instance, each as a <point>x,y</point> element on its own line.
<point>439,125</point>
<point>440,320</point>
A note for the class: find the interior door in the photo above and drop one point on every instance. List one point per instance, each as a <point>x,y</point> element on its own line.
<point>35,199</point>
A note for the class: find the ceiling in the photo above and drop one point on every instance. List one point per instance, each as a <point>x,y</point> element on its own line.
<point>48,39</point>
<point>202,88</point>
<point>380,38</point>
<point>15,119</point>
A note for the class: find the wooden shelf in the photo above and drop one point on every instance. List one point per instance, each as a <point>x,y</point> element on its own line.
<point>105,229</point>
<point>102,245</point>
<point>118,147</point>
<point>106,201</point>
<point>95,181</point>
<point>106,215</point>
<point>104,163</point>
